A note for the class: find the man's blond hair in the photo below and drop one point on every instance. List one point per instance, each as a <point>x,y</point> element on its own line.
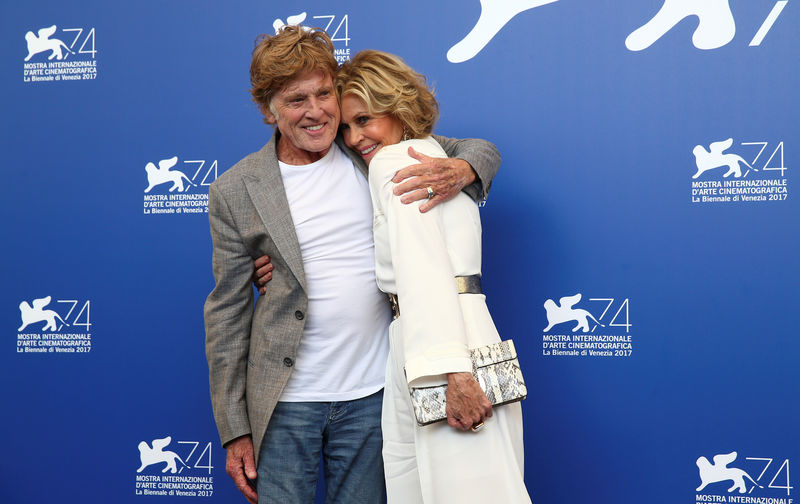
<point>292,52</point>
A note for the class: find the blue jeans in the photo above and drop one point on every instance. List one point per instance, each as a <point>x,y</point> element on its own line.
<point>348,436</point>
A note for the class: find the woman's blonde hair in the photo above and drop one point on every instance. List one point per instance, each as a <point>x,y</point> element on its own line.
<point>389,86</point>
<point>279,58</point>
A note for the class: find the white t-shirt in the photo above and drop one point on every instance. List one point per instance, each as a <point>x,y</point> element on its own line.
<point>343,351</point>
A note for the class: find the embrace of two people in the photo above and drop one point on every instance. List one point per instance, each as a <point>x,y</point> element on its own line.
<point>353,188</point>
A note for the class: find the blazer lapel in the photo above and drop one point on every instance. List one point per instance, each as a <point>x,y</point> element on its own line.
<point>265,186</point>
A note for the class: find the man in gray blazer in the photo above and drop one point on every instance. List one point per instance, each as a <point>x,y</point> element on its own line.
<point>322,305</point>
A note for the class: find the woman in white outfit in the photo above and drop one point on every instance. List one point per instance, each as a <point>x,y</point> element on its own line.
<point>477,455</point>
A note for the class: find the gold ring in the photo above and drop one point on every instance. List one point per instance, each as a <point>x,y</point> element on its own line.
<point>477,427</point>
<point>430,192</point>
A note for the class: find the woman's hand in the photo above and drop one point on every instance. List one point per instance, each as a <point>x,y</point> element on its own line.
<point>262,273</point>
<point>467,405</point>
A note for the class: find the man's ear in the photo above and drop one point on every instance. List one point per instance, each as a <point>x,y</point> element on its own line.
<point>268,115</point>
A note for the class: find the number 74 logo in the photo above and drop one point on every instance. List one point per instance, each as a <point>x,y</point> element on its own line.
<point>565,311</point>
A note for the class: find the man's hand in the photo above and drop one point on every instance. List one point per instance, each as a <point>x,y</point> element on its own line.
<point>262,274</point>
<point>446,176</point>
<point>241,465</point>
<point>467,405</point>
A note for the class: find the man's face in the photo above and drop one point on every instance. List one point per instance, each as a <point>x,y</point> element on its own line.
<point>307,116</point>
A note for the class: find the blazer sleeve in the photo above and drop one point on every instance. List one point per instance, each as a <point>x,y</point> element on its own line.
<point>482,155</point>
<point>433,331</point>
<point>228,314</point>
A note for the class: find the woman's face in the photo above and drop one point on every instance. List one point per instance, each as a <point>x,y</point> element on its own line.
<point>367,133</point>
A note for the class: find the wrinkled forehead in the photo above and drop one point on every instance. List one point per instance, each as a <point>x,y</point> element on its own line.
<point>307,80</point>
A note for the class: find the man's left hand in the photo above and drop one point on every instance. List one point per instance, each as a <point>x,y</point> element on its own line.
<point>446,176</point>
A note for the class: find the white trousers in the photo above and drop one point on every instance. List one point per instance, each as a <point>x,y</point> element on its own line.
<point>437,464</point>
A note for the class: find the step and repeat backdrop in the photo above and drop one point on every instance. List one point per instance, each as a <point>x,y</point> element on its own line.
<point>641,241</point>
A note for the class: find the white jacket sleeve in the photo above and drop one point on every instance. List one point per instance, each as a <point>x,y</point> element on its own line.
<point>433,331</point>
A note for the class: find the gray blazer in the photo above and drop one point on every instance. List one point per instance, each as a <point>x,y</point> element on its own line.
<point>251,343</point>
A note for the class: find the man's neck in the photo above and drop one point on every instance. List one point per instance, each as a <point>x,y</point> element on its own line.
<point>289,154</point>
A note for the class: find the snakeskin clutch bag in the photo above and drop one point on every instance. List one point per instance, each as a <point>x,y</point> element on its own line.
<point>497,370</point>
